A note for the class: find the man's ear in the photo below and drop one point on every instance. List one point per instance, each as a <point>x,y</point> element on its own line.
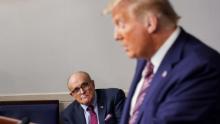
<point>151,23</point>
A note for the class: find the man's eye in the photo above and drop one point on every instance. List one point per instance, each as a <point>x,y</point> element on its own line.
<point>76,89</point>
<point>84,85</point>
<point>121,24</point>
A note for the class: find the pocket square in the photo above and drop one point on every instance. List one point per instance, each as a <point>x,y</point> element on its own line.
<point>108,117</point>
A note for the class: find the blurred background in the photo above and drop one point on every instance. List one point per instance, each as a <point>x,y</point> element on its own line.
<point>43,41</point>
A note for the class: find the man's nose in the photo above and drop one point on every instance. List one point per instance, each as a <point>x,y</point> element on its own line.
<point>117,35</point>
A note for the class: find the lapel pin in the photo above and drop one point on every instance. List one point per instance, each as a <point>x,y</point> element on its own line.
<point>164,74</point>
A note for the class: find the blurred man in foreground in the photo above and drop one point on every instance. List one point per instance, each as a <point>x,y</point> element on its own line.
<point>177,78</point>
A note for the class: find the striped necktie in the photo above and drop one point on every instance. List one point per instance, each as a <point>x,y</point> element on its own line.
<point>93,116</point>
<point>147,79</point>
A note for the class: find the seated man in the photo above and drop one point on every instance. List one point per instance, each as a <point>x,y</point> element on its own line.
<point>92,106</point>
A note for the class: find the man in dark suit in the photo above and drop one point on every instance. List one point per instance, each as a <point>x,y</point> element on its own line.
<point>177,78</point>
<point>92,106</point>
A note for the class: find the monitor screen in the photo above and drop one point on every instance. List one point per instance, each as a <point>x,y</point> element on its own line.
<point>41,112</point>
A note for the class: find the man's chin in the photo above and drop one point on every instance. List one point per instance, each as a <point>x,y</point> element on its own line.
<point>131,56</point>
<point>85,101</point>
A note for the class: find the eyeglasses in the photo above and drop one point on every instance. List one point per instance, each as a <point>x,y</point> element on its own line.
<point>84,86</point>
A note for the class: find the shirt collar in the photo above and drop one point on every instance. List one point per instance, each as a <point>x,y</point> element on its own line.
<point>94,103</point>
<point>160,54</point>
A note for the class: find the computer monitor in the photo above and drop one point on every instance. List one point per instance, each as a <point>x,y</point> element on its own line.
<point>42,112</point>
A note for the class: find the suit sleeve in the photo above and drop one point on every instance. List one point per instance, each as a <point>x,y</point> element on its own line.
<point>119,104</point>
<point>192,99</point>
<point>64,119</point>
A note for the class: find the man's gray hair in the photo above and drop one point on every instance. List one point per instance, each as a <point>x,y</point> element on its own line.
<point>79,73</point>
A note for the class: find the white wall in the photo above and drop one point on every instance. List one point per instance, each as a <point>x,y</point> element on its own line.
<point>43,41</point>
<point>201,18</point>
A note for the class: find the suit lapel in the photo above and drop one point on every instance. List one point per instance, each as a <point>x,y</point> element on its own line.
<point>125,115</point>
<point>101,107</point>
<point>140,66</point>
<point>79,115</point>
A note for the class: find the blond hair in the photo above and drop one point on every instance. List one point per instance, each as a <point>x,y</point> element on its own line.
<point>161,8</point>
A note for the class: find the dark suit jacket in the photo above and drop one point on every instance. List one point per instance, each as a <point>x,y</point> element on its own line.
<point>109,101</point>
<point>188,94</point>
